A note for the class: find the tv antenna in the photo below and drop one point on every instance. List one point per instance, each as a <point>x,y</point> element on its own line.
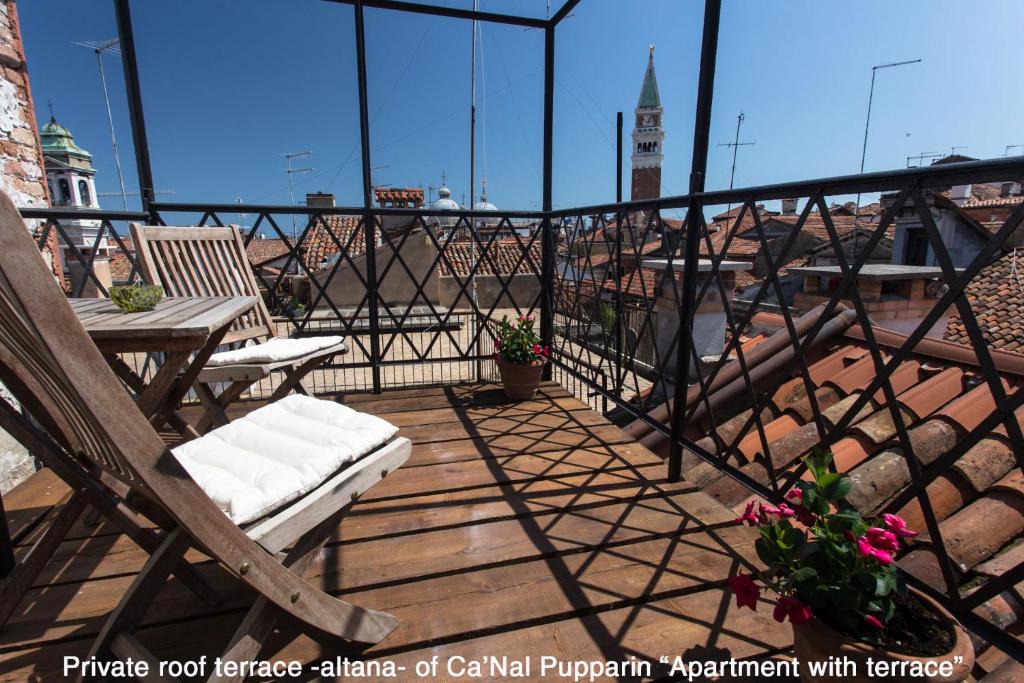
<point>922,156</point>
<point>1009,147</point>
<point>113,47</point>
<point>735,144</point>
<point>292,171</point>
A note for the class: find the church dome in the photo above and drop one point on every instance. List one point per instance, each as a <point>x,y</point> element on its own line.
<point>444,201</point>
<point>56,139</point>
<point>484,205</point>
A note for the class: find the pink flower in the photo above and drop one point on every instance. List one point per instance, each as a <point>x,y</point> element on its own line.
<point>883,540</point>
<point>748,515</point>
<point>785,511</point>
<point>497,344</point>
<point>745,590</point>
<point>898,526</point>
<point>529,318</point>
<point>865,548</point>
<point>873,622</point>
<point>546,351</point>
<point>795,495</point>
<point>797,612</point>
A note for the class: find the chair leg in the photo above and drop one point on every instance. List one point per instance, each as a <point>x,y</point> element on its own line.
<point>215,415</point>
<point>128,614</point>
<point>259,622</point>
<point>293,379</point>
<point>14,586</point>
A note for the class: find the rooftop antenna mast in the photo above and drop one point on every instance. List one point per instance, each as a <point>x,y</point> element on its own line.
<point>954,148</point>
<point>1009,147</point>
<point>112,46</point>
<point>292,171</point>
<point>735,144</point>
<point>922,156</point>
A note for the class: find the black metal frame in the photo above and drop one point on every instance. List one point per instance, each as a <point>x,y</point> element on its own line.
<point>910,183</point>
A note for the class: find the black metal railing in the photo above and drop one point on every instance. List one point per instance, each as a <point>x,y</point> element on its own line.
<point>430,287</point>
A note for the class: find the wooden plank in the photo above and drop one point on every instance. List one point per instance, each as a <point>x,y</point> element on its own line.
<point>59,610</point>
<point>439,397</point>
<point>31,500</point>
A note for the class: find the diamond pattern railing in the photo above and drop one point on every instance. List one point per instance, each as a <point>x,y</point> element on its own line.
<point>420,303</point>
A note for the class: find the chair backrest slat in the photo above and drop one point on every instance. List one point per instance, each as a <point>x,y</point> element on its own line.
<point>189,261</point>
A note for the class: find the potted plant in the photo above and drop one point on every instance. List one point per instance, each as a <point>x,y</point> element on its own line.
<point>836,583</point>
<point>519,356</point>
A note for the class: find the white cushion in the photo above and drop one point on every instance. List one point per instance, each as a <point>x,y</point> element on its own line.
<point>279,452</point>
<point>274,350</point>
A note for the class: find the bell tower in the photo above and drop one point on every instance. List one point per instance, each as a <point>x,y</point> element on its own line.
<point>648,138</point>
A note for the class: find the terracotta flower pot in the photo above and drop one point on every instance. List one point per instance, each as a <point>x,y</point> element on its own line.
<point>520,380</point>
<point>816,641</point>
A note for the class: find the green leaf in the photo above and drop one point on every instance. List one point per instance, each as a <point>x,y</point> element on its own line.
<point>803,574</point>
<point>838,488</point>
<point>818,461</point>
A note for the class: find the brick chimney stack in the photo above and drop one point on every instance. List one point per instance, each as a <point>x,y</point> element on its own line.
<point>320,199</point>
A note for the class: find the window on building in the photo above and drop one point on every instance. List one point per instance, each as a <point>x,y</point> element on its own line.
<point>65,191</point>
<point>916,253</point>
<point>83,193</point>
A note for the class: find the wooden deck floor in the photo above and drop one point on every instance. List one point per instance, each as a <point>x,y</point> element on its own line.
<point>516,529</point>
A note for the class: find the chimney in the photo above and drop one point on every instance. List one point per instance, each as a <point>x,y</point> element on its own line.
<point>321,199</point>
<point>895,297</point>
<point>788,207</point>
<point>1006,190</point>
<point>960,194</point>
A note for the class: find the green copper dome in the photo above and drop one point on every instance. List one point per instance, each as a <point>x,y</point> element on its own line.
<point>56,139</point>
<point>649,98</point>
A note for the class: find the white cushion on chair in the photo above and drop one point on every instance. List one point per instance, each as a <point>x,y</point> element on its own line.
<point>274,350</point>
<point>274,454</point>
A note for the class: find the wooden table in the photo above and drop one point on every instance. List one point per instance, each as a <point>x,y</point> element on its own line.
<point>186,329</point>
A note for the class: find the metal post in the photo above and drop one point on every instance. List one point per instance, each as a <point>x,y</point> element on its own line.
<point>7,561</point>
<point>368,222</point>
<point>547,276</point>
<point>618,271</point>
<point>133,91</point>
<point>694,214</point>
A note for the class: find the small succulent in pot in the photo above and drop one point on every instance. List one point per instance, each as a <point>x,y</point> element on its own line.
<point>136,298</point>
<point>836,580</point>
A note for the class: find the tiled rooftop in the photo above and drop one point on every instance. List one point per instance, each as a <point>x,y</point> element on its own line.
<point>996,296</point>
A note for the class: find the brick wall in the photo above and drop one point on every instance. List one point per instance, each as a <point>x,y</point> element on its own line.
<point>21,177</point>
<point>21,163</point>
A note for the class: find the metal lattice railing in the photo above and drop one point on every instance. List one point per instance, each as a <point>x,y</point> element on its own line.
<point>419,306</point>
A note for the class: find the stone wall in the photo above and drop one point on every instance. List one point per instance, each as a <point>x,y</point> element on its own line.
<point>21,177</point>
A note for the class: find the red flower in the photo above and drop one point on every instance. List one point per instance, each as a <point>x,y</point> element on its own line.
<point>536,349</point>
<point>874,622</point>
<point>898,526</point>
<point>748,515</point>
<point>866,549</point>
<point>497,344</point>
<point>797,612</point>
<point>546,352</point>
<point>746,592</point>
<point>883,540</point>
<point>795,495</point>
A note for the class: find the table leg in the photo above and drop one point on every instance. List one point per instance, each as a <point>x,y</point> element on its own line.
<point>161,390</point>
<point>190,372</point>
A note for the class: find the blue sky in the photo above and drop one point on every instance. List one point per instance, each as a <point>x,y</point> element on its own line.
<point>228,85</point>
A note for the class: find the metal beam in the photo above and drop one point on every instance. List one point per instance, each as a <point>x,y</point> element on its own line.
<point>547,275</point>
<point>133,91</point>
<point>564,11</point>
<point>368,220</point>
<point>694,224</point>
<point>453,12</point>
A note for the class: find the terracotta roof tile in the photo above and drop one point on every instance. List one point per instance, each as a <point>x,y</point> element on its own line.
<point>332,234</point>
<point>506,254</point>
<point>262,250</point>
<point>996,296</point>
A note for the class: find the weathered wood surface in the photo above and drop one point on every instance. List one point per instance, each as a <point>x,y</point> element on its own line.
<point>523,529</point>
<point>174,318</point>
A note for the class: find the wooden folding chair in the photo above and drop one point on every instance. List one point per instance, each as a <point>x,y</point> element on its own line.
<point>213,262</point>
<point>52,367</point>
